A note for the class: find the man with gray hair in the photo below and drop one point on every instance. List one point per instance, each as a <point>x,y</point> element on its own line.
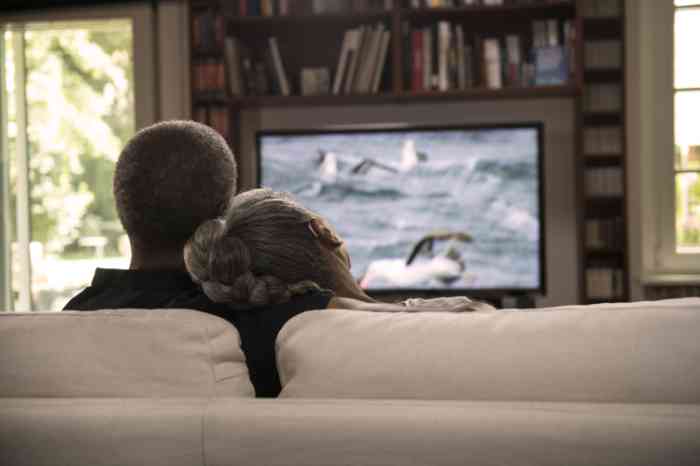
<point>170,178</point>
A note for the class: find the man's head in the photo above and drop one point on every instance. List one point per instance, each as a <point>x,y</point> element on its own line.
<point>170,178</point>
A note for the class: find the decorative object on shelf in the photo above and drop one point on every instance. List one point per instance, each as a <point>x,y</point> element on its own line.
<point>315,81</point>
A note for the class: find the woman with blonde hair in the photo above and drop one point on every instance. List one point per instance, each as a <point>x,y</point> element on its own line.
<point>269,248</point>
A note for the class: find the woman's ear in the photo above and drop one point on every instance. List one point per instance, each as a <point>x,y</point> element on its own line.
<point>325,235</point>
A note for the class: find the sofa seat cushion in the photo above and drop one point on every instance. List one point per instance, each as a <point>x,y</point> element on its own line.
<point>639,353</point>
<point>120,353</point>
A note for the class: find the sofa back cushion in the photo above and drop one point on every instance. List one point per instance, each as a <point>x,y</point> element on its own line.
<point>639,353</point>
<point>120,353</point>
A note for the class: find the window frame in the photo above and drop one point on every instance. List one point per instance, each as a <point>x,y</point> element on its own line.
<point>143,20</point>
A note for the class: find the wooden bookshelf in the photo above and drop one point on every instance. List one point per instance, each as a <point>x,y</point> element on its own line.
<point>315,40</point>
<point>592,207</point>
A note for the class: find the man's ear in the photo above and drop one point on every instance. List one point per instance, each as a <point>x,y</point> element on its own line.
<point>324,234</point>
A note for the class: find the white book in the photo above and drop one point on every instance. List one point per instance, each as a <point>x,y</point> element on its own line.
<point>386,36</point>
<point>492,60</point>
<point>342,60</point>
<point>233,60</point>
<point>461,62</point>
<point>355,47</point>
<point>369,60</point>
<point>443,49</point>
<point>279,66</point>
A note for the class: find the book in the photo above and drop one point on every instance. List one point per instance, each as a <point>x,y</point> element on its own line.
<point>386,36</point>
<point>552,33</point>
<point>443,37</point>
<point>418,60</point>
<point>492,61</point>
<point>461,62</point>
<point>279,66</point>
<point>427,59</point>
<point>233,61</point>
<point>551,66</point>
<point>353,57</point>
<point>342,60</point>
<point>370,52</point>
<point>514,60</point>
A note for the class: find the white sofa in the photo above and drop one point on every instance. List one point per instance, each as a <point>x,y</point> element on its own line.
<point>593,385</point>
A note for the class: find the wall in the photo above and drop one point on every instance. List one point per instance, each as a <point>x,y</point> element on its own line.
<point>556,114</point>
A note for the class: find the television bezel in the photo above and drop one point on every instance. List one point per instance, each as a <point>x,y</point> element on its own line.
<point>486,293</point>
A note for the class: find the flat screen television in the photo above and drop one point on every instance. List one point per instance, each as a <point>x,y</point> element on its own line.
<point>451,210</point>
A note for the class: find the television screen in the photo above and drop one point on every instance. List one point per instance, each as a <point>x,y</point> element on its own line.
<point>422,208</point>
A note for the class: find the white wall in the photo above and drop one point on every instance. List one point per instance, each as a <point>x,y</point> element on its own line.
<point>556,114</point>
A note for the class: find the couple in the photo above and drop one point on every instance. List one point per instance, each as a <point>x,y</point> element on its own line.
<point>256,259</point>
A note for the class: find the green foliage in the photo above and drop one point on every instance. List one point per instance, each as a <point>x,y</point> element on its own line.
<point>79,87</point>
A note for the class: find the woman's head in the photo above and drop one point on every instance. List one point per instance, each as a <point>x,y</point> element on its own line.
<point>265,249</point>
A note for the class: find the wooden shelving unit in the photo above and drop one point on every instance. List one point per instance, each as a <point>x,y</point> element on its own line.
<point>591,207</point>
<point>307,40</point>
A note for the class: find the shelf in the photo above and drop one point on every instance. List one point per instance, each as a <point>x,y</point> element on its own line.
<point>407,97</point>
<point>602,28</point>
<point>603,206</point>
<point>561,9</point>
<point>604,253</point>
<point>603,75</point>
<point>611,118</point>
<point>603,160</point>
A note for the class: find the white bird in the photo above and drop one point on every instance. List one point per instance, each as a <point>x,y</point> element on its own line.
<point>329,167</point>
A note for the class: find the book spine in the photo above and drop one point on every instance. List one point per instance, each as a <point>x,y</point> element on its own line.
<point>386,37</point>
<point>514,60</point>
<point>443,50</point>
<point>427,59</point>
<point>342,60</point>
<point>417,65</point>
<point>461,63</point>
<point>279,66</point>
<point>492,60</point>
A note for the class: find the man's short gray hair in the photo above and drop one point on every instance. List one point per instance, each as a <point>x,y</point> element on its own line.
<point>262,252</point>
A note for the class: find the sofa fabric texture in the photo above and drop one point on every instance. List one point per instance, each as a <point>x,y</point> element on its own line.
<point>121,353</point>
<point>634,353</point>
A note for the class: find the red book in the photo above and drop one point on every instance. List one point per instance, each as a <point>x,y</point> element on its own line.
<point>417,65</point>
<point>242,7</point>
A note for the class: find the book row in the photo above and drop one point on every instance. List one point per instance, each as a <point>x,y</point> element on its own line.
<point>215,116</point>
<point>208,30</point>
<point>602,140</point>
<point>361,62</point>
<point>601,8</point>
<point>605,181</point>
<point>605,282</point>
<point>312,7</point>
<point>461,3</point>
<point>209,77</point>
<point>607,233</point>
<point>602,98</point>
<point>445,56</point>
<point>305,7</point>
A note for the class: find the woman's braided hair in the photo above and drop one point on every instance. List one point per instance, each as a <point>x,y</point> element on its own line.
<point>260,253</point>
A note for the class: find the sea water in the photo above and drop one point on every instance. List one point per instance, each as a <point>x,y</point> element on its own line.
<point>482,182</point>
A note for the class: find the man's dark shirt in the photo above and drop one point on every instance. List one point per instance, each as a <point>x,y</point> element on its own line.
<point>149,289</point>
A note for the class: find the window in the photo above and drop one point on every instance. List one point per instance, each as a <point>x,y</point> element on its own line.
<point>686,89</point>
<point>68,106</point>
